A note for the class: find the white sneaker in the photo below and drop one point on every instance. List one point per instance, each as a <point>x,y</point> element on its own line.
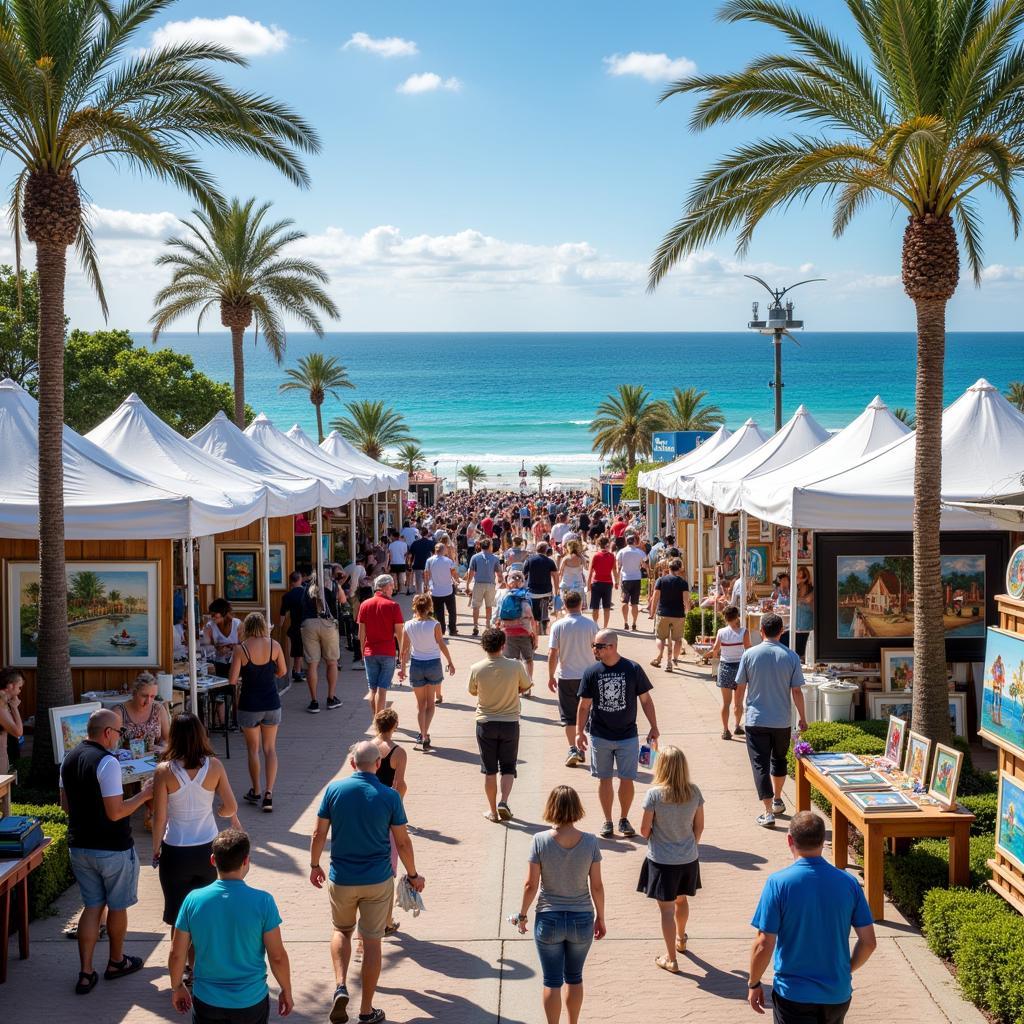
<point>778,807</point>
<point>766,820</point>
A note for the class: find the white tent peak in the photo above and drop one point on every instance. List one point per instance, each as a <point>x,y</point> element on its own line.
<point>982,385</point>
<point>680,484</point>
<point>876,403</point>
<point>340,450</point>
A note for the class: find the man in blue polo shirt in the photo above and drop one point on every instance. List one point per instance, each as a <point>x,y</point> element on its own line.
<point>804,916</point>
<point>362,815</point>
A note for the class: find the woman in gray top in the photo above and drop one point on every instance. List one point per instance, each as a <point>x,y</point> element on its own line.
<point>565,867</point>
<point>672,825</point>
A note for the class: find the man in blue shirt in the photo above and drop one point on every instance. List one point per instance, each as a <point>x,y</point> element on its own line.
<point>804,916</point>
<point>771,674</point>
<point>362,815</point>
<point>233,928</point>
<point>484,573</point>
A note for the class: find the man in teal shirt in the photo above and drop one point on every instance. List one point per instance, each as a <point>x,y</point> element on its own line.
<point>235,929</point>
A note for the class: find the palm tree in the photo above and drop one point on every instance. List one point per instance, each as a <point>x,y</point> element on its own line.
<point>904,415</point>
<point>372,427</point>
<point>472,475</point>
<point>687,411</point>
<point>930,115</point>
<point>321,376</point>
<point>624,422</point>
<point>409,457</point>
<point>1015,394</point>
<point>74,88</point>
<point>232,260</point>
<point>541,471</point>
<point>616,464</point>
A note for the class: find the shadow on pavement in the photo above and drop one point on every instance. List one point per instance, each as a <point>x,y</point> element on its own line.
<point>741,859</point>
<point>726,984</point>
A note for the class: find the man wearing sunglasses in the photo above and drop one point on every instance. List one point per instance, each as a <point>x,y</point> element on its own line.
<point>609,693</point>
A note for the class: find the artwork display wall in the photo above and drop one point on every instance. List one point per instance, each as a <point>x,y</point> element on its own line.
<point>1001,718</point>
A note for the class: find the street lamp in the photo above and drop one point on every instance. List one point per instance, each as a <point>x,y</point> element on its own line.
<point>779,323</point>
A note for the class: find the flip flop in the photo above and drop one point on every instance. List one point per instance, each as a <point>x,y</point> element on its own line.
<point>128,965</point>
<point>491,817</point>
<point>86,983</point>
<point>666,965</point>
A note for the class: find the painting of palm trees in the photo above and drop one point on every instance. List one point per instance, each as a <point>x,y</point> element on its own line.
<point>113,613</point>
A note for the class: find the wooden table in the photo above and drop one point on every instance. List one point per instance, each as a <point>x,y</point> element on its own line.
<point>6,781</point>
<point>930,821</point>
<point>14,880</point>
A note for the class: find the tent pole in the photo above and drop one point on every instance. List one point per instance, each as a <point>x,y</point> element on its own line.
<point>743,564</point>
<point>352,531</point>
<point>792,588</point>
<point>190,621</point>
<point>265,541</point>
<point>318,555</point>
<point>376,520</point>
<point>657,514</point>
<point>698,510</point>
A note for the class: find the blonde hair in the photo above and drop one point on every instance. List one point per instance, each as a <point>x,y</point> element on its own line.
<point>574,547</point>
<point>255,625</point>
<point>672,774</point>
<point>423,604</point>
<point>563,806</point>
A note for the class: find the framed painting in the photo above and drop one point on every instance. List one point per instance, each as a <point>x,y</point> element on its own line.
<point>1002,690</point>
<point>864,593</point>
<point>757,564</point>
<point>276,555</point>
<point>882,705</point>
<point>1010,820</point>
<point>765,531</point>
<point>730,531</point>
<point>915,763</point>
<point>68,726</point>
<point>730,563</point>
<point>1015,574</point>
<point>894,740</point>
<point>804,544</point>
<point>945,775</point>
<point>239,576</point>
<point>113,613</point>
<point>897,668</point>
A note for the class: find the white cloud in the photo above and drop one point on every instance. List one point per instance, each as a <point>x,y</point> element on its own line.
<point>428,82</point>
<point>655,67</point>
<point>249,38</point>
<point>999,272</point>
<point>130,223</point>
<point>389,46</point>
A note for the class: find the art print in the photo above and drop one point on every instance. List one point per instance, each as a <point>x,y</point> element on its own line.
<point>882,705</point>
<point>1002,693</point>
<point>1010,820</point>
<point>915,763</point>
<point>945,774</point>
<point>239,576</point>
<point>894,740</point>
<point>804,544</point>
<point>276,554</point>
<point>69,726</point>
<point>757,564</point>
<point>897,669</point>
<point>1015,574</point>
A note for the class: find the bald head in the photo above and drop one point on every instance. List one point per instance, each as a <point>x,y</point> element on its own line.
<point>365,755</point>
<point>606,646</point>
<point>99,721</point>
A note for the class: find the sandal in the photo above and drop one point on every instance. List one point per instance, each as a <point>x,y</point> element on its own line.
<point>666,965</point>
<point>490,816</point>
<point>390,929</point>
<point>681,943</point>
<point>86,983</point>
<point>128,965</point>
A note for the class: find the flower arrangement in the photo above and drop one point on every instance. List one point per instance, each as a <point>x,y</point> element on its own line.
<point>802,748</point>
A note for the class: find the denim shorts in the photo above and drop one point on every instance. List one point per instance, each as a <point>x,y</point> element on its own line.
<point>727,674</point>
<point>380,670</point>
<point>425,673</point>
<point>563,939</point>
<point>108,877</point>
<point>614,758</point>
<point>254,719</point>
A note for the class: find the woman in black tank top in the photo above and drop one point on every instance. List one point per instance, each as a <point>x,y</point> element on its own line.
<point>391,772</point>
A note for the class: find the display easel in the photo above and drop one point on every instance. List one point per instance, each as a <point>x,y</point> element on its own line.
<point>1007,879</point>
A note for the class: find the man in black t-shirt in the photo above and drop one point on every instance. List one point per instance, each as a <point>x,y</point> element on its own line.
<point>291,608</point>
<point>421,549</point>
<point>670,602</point>
<point>542,581</point>
<point>609,693</point>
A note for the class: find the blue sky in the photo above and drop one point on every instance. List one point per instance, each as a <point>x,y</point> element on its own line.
<point>516,182</point>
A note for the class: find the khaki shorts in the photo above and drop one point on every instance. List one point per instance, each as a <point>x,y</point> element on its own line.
<point>483,594</point>
<point>371,903</point>
<point>669,628</point>
<point>320,640</point>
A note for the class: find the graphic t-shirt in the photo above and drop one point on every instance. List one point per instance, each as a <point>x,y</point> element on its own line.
<point>538,569</point>
<point>379,615</point>
<point>604,565</point>
<point>671,589</point>
<point>614,690</point>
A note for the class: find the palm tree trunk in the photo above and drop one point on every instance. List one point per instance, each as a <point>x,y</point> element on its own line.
<point>53,665</point>
<point>930,703</point>
<point>238,358</point>
<point>319,423</point>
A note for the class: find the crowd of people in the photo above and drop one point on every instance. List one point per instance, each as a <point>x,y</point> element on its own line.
<point>528,569</point>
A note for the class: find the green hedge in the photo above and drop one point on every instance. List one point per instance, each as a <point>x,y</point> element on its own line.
<point>947,911</point>
<point>909,876</point>
<point>54,875</point>
<point>984,808</point>
<point>630,490</point>
<point>988,958</point>
<point>691,627</point>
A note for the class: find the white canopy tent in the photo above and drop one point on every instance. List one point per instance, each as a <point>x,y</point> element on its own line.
<point>651,477</point>
<point>365,481</point>
<point>391,478</point>
<point>982,446</point>
<point>742,442</point>
<point>1008,510</point>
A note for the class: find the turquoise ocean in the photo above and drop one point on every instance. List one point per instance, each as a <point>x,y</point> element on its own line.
<point>497,399</point>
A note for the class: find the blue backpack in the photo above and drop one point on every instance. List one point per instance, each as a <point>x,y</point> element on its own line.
<point>512,605</point>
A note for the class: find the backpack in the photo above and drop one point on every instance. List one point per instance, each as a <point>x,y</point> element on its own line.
<point>512,605</point>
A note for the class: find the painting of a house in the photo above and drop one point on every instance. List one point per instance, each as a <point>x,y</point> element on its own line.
<point>886,596</point>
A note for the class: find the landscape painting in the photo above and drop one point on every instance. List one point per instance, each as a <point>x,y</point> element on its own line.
<point>1002,692</point>
<point>238,575</point>
<point>875,596</point>
<point>1010,821</point>
<point>113,613</point>
<point>276,558</point>
<point>69,726</point>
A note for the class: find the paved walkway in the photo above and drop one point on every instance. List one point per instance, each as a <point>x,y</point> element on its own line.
<point>461,961</point>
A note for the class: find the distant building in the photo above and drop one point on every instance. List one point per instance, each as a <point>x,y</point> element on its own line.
<point>426,487</point>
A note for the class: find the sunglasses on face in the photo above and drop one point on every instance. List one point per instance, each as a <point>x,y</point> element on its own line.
<point>601,647</point>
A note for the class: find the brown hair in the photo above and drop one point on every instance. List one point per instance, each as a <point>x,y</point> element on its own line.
<point>9,676</point>
<point>187,741</point>
<point>386,720</point>
<point>424,605</point>
<point>230,848</point>
<point>563,806</point>
<point>493,639</point>
<point>731,613</point>
<point>807,830</point>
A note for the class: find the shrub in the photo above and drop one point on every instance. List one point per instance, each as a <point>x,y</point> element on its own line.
<point>825,736</point>
<point>925,866</point>
<point>54,875</point>
<point>44,812</point>
<point>865,744</point>
<point>988,956</point>
<point>946,911</point>
<point>984,808</point>
<point>691,627</point>
<point>630,487</point>
<point>875,727</point>
<point>974,783</point>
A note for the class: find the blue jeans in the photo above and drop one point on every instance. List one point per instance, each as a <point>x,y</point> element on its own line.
<point>380,670</point>
<point>563,940</point>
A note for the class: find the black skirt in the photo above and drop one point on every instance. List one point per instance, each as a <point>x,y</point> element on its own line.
<point>667,881</point>
<point>182,869</point>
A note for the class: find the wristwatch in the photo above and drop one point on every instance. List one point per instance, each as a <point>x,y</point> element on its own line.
<point>313,867</point>
<point>415,874</point>
<point>753,985</point>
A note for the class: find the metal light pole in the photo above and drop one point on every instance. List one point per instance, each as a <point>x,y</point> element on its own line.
<point>779,323</point>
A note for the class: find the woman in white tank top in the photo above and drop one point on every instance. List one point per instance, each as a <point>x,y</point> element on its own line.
<point>184,825</point>
<point>730,643</point>
<point>423,646</point>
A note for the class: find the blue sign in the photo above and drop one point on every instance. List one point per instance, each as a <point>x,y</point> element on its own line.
<point>668,445</point>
